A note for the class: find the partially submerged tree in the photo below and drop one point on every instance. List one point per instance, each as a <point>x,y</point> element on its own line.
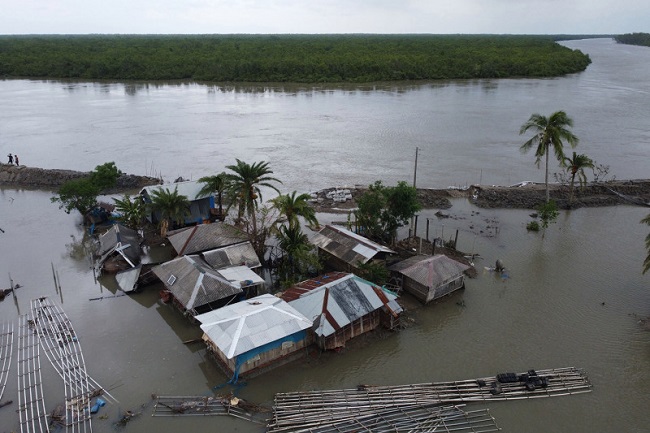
<point>382,210</point>
<point>132,211</point>
<point>216,184</point>
<point>171,205</point>
<point>81,194</point>
<point>549,135</point>
<point>576,167</point>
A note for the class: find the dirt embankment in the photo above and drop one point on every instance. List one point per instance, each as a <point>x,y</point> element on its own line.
<point>593,195</point>
<point>52,179</point>
<point>528,196</point>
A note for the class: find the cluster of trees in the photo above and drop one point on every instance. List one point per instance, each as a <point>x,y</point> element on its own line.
<point>382,210</point>
<point>286,58</point>
<point>634,39</point>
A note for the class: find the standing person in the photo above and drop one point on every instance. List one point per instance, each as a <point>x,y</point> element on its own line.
<point>11,158</point>
<point>16,158</point>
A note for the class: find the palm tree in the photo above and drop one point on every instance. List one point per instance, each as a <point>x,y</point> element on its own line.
<point>646,262</point>
<point>171,205</point>
<point>576,166</point>
<point>218,184</point>
<point>549,132</point>
<point>245,183</point>
<point>293,207</point>
<point>132,210</point>
<point>299,256</point>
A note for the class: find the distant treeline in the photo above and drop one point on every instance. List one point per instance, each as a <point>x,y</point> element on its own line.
<point>286,58</point>
<point>634,39</point>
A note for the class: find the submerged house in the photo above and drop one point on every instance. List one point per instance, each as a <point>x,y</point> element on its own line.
<point>343,306</point>
<point>430,277</point>
<point>256,334</point>
<point>201,205</point>
<point>119,248</point>
<point>343,250</point>
<point>204,237</point>
<point>194,286</point>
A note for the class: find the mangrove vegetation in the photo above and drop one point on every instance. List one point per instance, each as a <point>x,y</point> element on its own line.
<point>642,39</point>
<point>285,58</point>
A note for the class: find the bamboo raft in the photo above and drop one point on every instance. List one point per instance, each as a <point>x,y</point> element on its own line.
<point>323,411</point>
<point>31,406</point>
<point>59,341</point>
<point>6,352</point>
<point>208,406</point>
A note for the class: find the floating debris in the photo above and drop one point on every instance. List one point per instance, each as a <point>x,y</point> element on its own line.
<point>209,406</point>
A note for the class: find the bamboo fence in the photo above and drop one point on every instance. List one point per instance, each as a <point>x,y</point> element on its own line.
<point>6,352</point>
<point>31,406</point>
<point>62,348</point>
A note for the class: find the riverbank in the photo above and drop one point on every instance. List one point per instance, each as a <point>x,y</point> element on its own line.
<point>526,195</point>
<point>52,179</point>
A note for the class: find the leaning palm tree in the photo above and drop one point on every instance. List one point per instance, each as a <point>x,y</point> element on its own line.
<point>576,166</point>
<point>549,133</point>
<point>245,182</point>
<point>293,207</point>
<point>215,184</point>
<point>171,205</point>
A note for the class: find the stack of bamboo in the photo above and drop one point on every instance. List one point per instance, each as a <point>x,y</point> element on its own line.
<point>324,411</point>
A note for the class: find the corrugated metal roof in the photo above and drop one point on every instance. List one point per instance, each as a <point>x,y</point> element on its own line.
<point>204,237</point>
<point>247,325</point>
<point>233,255</point>
<point>335,300</point>
<point>122,239</point>
<point>193,282</point>
<point>189,189</point>
<point>430,271</point>
<point>241,276</point>
<point>128,278</point>
<point>347,246</point>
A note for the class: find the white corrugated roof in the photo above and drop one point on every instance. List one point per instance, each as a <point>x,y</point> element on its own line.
<point>189,189</point>
<point>246,325</point>
<point>238,274</point>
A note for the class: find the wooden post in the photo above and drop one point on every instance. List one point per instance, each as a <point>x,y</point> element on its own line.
<point>456,239</point>
<point>427,229</point>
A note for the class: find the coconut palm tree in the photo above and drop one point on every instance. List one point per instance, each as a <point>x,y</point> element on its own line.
<point>245,182</point>
<point>132,210</point>
<point>215,184</point>
<point>171,205</point>
<point>293,207</point>
<point>549,133</point>
<point>300,257</point>
<point>576,166</point>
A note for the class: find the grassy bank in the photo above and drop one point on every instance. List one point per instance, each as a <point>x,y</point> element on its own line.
<point>286,58</point>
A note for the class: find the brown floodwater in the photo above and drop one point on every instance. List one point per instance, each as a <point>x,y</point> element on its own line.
<point>573,297</point>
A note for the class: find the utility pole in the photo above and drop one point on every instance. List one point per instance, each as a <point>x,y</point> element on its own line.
<point>415,177</point>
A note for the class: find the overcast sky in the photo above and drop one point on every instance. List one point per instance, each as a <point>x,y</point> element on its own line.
<point>324,16</point>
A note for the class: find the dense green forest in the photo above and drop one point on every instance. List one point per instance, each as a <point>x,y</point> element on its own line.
<point>286,58</point>
<point>634,39</point>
